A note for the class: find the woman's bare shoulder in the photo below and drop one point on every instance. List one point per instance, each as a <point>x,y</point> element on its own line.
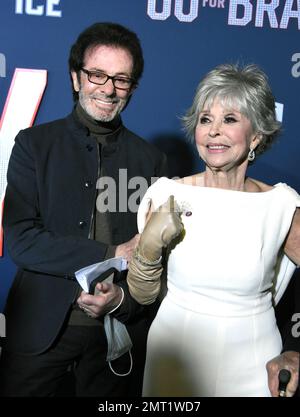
<point>256,186</point>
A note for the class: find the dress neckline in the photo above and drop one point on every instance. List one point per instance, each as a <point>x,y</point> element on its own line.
<point>274,187</point>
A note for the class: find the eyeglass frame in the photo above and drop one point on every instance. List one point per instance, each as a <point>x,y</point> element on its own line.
<point>109,77</point>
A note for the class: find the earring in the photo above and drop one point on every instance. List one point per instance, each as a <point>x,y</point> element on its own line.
<point>251,155</point>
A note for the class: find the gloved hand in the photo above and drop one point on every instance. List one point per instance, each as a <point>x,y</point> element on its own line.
<point>145,267</point>
<point>163,226</point>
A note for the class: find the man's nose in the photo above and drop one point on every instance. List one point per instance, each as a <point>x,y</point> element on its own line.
<point>108,88</point>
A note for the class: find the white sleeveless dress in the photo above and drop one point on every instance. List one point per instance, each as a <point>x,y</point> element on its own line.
<point>215,329</point>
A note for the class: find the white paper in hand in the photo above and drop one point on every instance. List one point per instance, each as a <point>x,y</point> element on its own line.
<point>87,274</point>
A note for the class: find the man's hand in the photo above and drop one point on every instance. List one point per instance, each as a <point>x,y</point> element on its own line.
<point>287,360</point>
<point>109,296</point>
<point>126,249</point>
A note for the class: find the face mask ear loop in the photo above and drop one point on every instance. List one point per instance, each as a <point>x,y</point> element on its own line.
<point>130,368</point>
<point>122,342</point>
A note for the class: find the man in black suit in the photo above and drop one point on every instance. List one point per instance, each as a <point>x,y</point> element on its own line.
<point>73,189</point>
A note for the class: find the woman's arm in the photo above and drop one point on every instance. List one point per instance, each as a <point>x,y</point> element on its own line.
<point>292,245</point>
<point>145,268</point>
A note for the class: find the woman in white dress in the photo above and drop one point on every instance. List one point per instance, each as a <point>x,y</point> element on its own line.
<point>232,242</point>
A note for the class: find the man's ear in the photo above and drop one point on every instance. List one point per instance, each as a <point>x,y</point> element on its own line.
<point>76,83</point>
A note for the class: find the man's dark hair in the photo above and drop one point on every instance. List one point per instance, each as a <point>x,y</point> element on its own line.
<point>108,34</point>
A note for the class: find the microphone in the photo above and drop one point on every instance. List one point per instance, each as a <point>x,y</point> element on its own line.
<point>284,378</point>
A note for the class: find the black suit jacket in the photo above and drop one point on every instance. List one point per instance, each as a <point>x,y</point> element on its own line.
<point>49,203</point>
<point>288,314</point>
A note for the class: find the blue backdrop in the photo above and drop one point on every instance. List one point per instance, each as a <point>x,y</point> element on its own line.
<point>182,40</point>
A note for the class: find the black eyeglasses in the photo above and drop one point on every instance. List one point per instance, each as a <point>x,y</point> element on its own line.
<point>100,78</point>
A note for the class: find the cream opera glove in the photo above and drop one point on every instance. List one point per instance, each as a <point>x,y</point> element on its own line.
<point>145,267</point>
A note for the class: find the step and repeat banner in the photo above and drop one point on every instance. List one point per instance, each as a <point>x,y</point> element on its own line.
<point>182,40</point>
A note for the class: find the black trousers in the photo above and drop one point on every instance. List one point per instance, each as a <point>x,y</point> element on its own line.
<point>80,348</point>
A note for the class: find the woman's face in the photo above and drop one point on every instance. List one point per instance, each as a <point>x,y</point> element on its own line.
<point>223,137</point>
